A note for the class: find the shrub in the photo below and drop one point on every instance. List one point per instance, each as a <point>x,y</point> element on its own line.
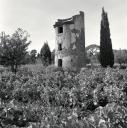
<point>60,98</point>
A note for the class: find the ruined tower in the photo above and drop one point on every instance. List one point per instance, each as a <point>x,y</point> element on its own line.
<point>70,42</point>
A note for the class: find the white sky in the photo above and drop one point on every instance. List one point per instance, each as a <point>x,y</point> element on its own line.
<point>39,16</point>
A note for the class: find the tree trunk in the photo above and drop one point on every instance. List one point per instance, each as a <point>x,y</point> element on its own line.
<point>14,68</point>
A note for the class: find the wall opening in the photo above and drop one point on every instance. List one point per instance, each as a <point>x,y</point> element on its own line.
<point>59,62</point>
<point>59,47</point>
<point>60,29</point>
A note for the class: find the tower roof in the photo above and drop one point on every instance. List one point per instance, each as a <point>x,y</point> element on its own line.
<point>61,22</point>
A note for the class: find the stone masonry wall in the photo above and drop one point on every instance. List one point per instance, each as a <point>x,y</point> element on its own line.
<point>73,43</point>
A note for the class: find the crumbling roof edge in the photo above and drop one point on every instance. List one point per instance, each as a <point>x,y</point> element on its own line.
<point>70,20</point>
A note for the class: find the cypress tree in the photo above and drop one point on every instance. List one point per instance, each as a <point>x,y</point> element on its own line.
<point>106,52</point>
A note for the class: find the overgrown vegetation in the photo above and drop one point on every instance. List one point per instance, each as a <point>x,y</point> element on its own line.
<point>54,98</point>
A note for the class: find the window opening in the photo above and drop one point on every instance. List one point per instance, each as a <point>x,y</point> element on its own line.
<point>59,62</point>
<point>59,47</point>
<point>60,29</point>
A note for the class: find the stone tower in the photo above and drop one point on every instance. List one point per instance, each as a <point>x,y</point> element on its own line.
<point>70,42</point>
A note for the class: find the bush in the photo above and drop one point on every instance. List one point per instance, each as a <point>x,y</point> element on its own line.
<point>59,98</point>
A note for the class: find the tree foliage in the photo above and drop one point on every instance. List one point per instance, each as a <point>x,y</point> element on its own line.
<point>33,54</point>
<point>53,56</point>
<point>120,56</point>
<point>106,52</point>
<point>45,54</point>
<point>92,52</point>
<point>13,48</point>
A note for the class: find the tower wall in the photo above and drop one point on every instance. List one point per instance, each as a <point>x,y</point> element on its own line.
<point>70,42</point>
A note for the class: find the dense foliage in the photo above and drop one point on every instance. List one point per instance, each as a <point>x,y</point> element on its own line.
<point>13,48</point>
<point>120,56</point>
<point>53,98</point>
<point>106,52</point>
<point>92,53</point>
<point>33,56</point>
<point>45,54</point>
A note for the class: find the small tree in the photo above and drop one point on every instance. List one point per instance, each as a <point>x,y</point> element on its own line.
<point>92,53</point>
<point>121,57</point>
<point>13,49</point>
<point>33,54</point>
<point>27,59</point>
<point>45,54</point>
<point>106,52</point>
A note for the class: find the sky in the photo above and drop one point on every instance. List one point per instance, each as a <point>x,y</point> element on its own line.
<point>37,17</point>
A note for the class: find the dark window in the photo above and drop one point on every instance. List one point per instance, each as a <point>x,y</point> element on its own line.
<point>59,62</point>
<point>59,47</point>
<point>60,29</point>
